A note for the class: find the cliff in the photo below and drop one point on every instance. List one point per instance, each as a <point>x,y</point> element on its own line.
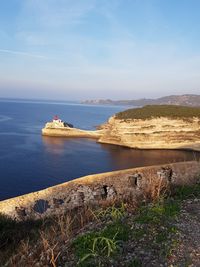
<point>154,127</point>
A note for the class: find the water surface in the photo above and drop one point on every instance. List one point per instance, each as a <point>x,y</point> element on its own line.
<point>30,162</point>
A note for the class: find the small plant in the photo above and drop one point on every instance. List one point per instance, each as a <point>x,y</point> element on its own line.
<point>156,188</point>
<point>157,212</point>
<point>102,246</point>
<point>115,213</point>
<point>65,225</point>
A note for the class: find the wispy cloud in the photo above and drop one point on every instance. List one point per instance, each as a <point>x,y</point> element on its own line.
<point>56,13</point>
<point>21,53</point>
<point>93,45</point>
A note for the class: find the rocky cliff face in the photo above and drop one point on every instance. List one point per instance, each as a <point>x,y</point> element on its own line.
<point>153,133</point>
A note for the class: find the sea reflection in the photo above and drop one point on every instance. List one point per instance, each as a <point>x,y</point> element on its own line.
<point>68,146</point>
<point>117,157</point>
<point>54,145</point>
<point>122,157</point>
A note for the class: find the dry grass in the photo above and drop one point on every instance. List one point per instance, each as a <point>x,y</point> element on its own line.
<point>54,240</point>
<point>155,187</point>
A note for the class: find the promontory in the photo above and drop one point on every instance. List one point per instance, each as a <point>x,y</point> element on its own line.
<point>149,127</point>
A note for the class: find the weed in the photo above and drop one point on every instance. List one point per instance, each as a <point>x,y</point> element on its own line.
<point>101,248</point>
<point>121,231</point>
<point>100,244</point>
<point>115,213</point>
<point>65,225</point>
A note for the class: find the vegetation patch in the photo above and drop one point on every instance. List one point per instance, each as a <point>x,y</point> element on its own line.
<point>187,191</point>
<point>153,111</point>
<point>97,247</point>
<point>115,235</point>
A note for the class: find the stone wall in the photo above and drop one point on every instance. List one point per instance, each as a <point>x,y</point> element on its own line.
<point>92,189</point>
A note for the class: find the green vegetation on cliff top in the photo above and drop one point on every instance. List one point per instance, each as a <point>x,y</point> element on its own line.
<point>152,111</point>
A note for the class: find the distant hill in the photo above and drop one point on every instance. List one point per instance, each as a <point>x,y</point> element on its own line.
<point>184,100</point>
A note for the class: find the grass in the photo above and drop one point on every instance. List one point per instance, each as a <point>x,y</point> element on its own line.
<point>100,244</point>
<point>102,247</point>
<point>113,212</point>
<point>152,111</point>
<point>18,238</point>
<point>96,248</point>
<point>158,212</point>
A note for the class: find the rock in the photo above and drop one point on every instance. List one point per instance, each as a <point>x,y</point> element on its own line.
<point>57,202</point>
<point>41,206</point>
<point>20,212</point>
<point>165,173</point>
<point>66,124</point>
<point>135,180</point>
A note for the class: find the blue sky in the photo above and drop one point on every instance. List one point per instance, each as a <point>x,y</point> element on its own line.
<point>79,49</point>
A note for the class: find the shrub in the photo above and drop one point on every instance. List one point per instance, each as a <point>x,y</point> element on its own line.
<point>151,111</point>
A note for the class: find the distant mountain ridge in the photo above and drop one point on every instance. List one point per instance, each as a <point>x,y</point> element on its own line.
<point>184,100</point>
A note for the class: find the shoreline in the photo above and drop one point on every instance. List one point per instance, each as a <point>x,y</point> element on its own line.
<point>98,134</point>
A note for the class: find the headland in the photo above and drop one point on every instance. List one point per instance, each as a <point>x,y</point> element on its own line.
<point>150,127</point>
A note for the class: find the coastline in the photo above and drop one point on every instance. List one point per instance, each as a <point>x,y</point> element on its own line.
<point>102,137</point>
<point>152,134</point>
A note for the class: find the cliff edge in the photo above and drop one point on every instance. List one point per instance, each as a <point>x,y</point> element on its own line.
<point>155,127</point>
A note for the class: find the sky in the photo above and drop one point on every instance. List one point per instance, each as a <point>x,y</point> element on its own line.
<point>88,49</point>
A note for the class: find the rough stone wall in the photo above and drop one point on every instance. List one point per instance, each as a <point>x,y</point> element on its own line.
<point>92,189</point>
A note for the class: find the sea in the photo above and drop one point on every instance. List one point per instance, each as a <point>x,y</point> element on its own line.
<point>30,162</point>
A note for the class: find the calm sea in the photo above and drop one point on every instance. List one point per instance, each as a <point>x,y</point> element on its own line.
<point>30,162</point>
